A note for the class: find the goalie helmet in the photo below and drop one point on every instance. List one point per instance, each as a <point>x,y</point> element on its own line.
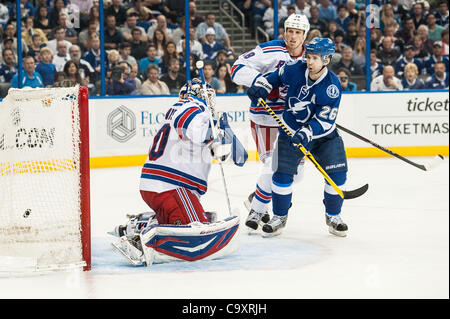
<point>195,88</point>
<point>297,21</point>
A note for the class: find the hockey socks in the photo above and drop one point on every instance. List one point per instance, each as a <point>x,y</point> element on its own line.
<point>332,201</point>
<point>281,193</point>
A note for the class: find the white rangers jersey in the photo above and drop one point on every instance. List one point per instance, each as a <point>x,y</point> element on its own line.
<point>265,58</point>
<point>179,156</point>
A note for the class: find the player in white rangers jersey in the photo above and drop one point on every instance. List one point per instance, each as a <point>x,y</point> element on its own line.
<point>173,178</point>
<point>248,70</point>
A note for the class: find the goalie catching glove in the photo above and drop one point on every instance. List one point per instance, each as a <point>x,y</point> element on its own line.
<point>260,89</point>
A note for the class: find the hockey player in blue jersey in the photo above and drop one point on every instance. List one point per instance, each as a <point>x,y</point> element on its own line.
<point>311,108</point>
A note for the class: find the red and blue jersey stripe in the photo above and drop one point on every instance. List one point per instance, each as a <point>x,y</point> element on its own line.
<point>174,177</point>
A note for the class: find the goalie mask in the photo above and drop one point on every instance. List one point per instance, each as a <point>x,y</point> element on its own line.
<point>194,88</point>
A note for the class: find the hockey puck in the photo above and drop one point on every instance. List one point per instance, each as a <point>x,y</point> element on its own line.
<point>27,213</point>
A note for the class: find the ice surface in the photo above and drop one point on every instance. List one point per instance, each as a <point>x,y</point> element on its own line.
<point>397,244</point>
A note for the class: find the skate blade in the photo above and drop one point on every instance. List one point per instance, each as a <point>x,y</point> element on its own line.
<point>273,234</point>
<point>132,261</point>
<point>248,205</point>
<point>335,232</point>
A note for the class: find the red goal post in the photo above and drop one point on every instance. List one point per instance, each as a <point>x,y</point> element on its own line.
<point>44,180</point>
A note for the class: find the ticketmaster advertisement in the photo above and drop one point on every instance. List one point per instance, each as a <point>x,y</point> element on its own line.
<point>414,124</point>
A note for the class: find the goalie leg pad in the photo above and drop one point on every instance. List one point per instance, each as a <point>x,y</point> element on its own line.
<point>196,241</point>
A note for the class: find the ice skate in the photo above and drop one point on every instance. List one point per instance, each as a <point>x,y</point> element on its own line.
<point>336,226</point>
<point>256,219</point>
<point>274,226</point>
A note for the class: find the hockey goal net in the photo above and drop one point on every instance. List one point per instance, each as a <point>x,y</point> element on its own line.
<point>44,180</point>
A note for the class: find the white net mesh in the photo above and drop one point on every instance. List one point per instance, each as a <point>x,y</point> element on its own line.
<point>40,178</point>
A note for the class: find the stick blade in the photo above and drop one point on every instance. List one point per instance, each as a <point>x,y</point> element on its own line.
<point>436,161</point>
<point>356,192</point>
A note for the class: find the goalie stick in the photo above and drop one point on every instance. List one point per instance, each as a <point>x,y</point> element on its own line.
<point>433,163</point>
<point>199,66</point>
<point>344,194</point>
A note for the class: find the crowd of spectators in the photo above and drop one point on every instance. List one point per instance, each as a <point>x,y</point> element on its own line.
<point>144,41</point>
<point>408,38</point>
<point>145,50</point>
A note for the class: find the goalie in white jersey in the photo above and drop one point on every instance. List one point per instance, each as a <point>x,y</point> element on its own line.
<point>248,70</point>
<point>173,178</point>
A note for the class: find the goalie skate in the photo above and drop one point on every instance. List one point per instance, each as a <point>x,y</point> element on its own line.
<point>335,225</point>
<point>132,253</point>
<point>274,226</point>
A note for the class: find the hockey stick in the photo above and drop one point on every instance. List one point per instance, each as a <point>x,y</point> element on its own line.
<point>435,162</point>
<point>199,66</point>
<point>344,194</point>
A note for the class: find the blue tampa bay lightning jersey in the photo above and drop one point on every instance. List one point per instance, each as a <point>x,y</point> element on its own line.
<point>308,103</point>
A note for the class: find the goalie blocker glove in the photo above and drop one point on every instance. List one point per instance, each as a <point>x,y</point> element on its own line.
<point>260,89</point>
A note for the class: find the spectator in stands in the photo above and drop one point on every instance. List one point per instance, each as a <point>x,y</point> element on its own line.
<point>29,78</point>
<point>338,38</point>
<point>410,80</point>
<point>138,47</point>
<point>71,34</point>
<point>160,42</point>
<point>332,28</point>
<point>150,59</point>
<point>195,17</point>
<point>84,68</point>
<point>344,78</point>
<point>326,10</point>
<point>342,18</point>
<point>94,14</point>
<point>387,54</point>
<point>55,11</point>
<point>359,53</point>
<point>442,14</point>
<point>10,32</point>
<point>125,51</point>
<point>60,78</point>
<point>302,7</point>
<point>351,34</point>
<point>41,20</point>
<point>29,30</point>
<point>113,59</point>
<point>153,86</point>
<point>134,74</point>
<point>445,42</point>
<point>161,24</point>
<point>179,33</point>
<point>269,16</point>
<point>9,67</point>
<point>117,84</point>
<point>170,51</point>
<point>436,57</point>
<point>223,58</point>
<point>60,35</point>
<point>34,49</point>
<point>387,81</point>
<point>407,31</point>
<point>118,10</point>
<point>173,10</point>
<point>129,25</point>
<point>418,47</point>
<point>387,17</point>
<point>418,14</point>
<point>258,8</point>
<point>173,78</point>
<point>224,78</point>
<point>399,10</point>
<point>195,46</point>
<point>84,35</point>
<point>434,30</point>
<point>113,36</point>
<point>71,73</point>
<point>208,70</point>
<point>127,71</point>
<point>83,7</point>
<point>315,22</point>
<point>312,34</point>
<point>221,34</point>
<point>347,62</point>
<point>61,56</point>
<point>46,68</point>
<point>93,58</point>
<point>389,31</point>
<point>439,80</point>
<point>407,57</point>
<point>145,14</point>
<point>211,47</point>
<point>422,32</point>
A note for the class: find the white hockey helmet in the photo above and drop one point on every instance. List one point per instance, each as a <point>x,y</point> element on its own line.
<point>297,21</point>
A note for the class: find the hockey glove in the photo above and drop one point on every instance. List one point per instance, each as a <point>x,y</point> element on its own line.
<point>260,89</point>
<point>302,136</point>
<point>219,149</point>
